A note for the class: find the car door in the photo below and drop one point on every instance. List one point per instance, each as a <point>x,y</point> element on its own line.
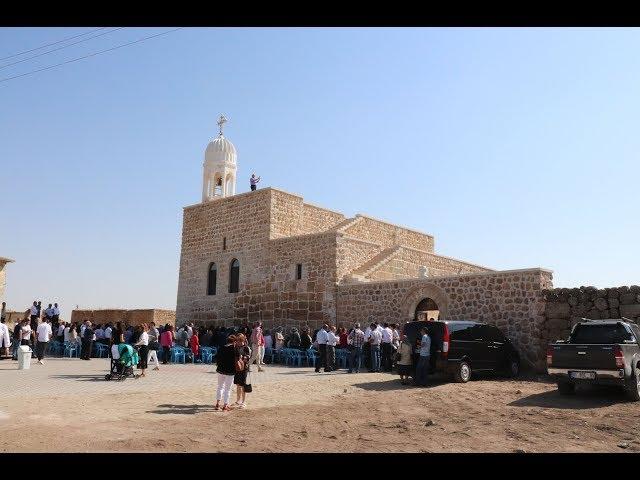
<point>482,357</point>
<point>497,347</point>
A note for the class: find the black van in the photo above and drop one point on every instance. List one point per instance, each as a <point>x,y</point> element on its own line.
<point>459,347</point>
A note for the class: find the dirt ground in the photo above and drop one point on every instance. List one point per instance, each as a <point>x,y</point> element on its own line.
<point>296,410</point>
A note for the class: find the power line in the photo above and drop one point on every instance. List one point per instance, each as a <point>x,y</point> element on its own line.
<point>50,44</point>
<point>60,48</point>
<point>90,55</point>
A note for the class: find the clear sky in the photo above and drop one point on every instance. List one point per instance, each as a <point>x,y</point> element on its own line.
<point>515,148</point>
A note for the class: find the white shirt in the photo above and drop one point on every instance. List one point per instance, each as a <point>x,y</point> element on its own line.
<point>376,337</point>
<point>99,333</point>
<point>387,335</point>
<point>321,338</point>
<point>82,327</point>
<point>49,312</point>
<point>367,334</point>
<point>44,332</point>
<point>34,310</point>
<point>143,340</point>
<point>379,328</point>
<point>396,338</point>
<point>26,332</point>
<point>4,335</point>
<point>61,330</point>
<point>107,333</point>
<point>425,346</point>
<point>189,333</point>
<point>66,333</point>
<point>268,341</point>
<point>332,339</point>
<point>56,311</point>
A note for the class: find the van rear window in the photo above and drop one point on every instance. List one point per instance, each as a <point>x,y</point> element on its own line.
<point>591,334</point>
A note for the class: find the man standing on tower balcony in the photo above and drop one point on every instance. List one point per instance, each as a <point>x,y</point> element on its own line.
<point>254,181</point>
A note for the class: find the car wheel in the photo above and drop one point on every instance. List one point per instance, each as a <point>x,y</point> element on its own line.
<point>462,373</point>
<point>566,388</point>
<point>632,387</point>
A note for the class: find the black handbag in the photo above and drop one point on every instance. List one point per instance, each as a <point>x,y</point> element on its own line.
<point>247,384</point>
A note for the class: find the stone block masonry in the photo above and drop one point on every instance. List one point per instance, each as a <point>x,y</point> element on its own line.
<point>129,317</point>
<point>564,307</point>
<point>511,300</point>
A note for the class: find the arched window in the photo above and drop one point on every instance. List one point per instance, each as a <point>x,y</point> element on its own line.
<point>234,276</point>
<point>212,279</point>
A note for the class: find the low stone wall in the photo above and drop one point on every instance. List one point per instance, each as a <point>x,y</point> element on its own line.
<point>130,317</point>
<point>564,307</point>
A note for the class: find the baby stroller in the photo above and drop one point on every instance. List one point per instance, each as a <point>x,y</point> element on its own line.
<point>123,359</point>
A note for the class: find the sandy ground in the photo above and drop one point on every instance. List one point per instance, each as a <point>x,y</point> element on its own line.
<point>66,405</point>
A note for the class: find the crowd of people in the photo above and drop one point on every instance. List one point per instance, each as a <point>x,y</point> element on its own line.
<point>378,348</point>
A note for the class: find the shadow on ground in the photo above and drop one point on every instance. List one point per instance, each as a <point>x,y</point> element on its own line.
<point>182,409</point>
<point>82,378</point>
<point>583,398</point>
<point>394,384</point>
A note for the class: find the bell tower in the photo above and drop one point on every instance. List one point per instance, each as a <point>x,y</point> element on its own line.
<point>219,168</point>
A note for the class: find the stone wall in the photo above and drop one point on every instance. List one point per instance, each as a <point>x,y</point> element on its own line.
<point>317,219</point>
<point>129,317</point>
<point>565,307</point>
<point>244,221</point>
<point>353,253</point>
<point>512,300</point>
<point>406,263</point>
<point>279,296</point>
<point>388,235</point>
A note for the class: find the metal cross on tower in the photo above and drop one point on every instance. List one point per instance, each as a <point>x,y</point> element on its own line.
<point>221,121</point>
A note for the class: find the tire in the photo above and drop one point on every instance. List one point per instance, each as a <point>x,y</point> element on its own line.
<point>632,387</point>
<point>462,373</point>
<point>513,367</point>
<point>566,388</point>
<point>107,377</point>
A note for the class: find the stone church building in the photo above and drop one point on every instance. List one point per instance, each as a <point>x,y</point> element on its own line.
<point>268,255</point>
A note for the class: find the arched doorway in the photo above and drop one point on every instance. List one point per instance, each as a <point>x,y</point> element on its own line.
<point>427,309</point>
<point>417,294</point>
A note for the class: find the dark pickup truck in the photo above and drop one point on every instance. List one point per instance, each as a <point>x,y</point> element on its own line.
<point>600,352</point>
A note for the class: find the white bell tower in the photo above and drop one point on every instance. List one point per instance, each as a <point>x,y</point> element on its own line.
<point>219,168</point>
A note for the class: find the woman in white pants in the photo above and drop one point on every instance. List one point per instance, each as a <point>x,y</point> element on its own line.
<point>226,368</point>
<point>153,346</point>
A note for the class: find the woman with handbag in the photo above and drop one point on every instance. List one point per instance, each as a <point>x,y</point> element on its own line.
<point>143,343</point>
<point>154,346</point>
<point>226,368</point>
<point>243,354</point>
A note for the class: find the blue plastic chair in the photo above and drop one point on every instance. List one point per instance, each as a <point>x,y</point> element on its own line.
<point>71,350</point>
<point>176,354</point>
<point>268,353</point>
<point>101,350</point>
<point>189,357</point>
<point>299,356</point>
<point>312,357</point>
<point>206,355</point>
